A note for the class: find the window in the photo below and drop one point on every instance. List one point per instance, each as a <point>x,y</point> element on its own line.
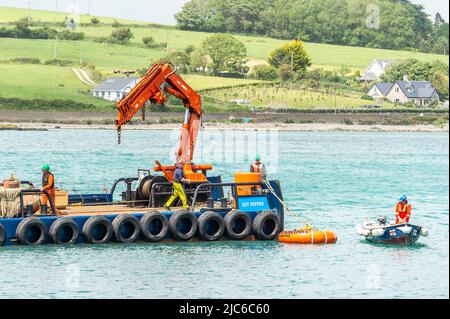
<point>397,89</point>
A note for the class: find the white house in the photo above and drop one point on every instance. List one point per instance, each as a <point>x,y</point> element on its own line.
<point>417,92</point>
<point>375,70</point>
<point>379,90</point>
<point>116,88</point>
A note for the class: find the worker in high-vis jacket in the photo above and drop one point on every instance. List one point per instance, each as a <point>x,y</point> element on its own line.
<point>48,185</point>
<point>258,167</point>
<point>403,210</point>
<point>178,188</point>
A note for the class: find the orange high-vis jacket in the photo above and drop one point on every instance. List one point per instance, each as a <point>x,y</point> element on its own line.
<point>403,211</point>
<point>48,183</point>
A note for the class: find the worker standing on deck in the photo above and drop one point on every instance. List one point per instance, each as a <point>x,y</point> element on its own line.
<point>48,185</point>
<point>258,167</point>
<point>178,189</point>
<point>403,210</point>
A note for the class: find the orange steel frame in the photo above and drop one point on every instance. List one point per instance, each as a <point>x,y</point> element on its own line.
<point>159,81</point>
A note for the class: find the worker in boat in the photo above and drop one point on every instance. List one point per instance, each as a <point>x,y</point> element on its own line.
<point>403,210</point>
<point>178,188</point>
<point>258,167</point>
<point>48,185</point>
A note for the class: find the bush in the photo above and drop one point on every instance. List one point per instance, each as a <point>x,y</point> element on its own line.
<point>122,35</point>
<point>264,72</point>
<point>367,97</point>
<point>59,62</point>
<point>74,36</point>
<point>24,60</point>
<point>116,24</point>
<point>95,21</point>
<point>347,122</point>
<point>40,104</point>
<point>150,42</point>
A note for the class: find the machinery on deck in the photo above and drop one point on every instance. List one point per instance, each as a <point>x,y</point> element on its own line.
<point>153,88</point>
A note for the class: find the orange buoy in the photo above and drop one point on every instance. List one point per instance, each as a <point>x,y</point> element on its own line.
<point>308,236</point>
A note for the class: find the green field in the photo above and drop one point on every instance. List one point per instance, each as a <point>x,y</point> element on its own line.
<point>277,96</point>
<point>45,82</point>
<point>9,14</point>
<point>258,47</point>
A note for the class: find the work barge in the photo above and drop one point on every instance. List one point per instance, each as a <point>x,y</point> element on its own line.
<point>247,211</point>
<point>249,208</point>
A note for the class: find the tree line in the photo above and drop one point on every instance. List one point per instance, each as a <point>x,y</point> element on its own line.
<point>384,24</point>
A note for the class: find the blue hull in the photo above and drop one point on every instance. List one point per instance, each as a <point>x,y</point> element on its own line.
<point>394,235</point>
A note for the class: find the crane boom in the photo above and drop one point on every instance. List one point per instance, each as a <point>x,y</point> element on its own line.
<point>154,86</point>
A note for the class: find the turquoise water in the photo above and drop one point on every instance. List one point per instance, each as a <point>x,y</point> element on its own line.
<point>334,180</point>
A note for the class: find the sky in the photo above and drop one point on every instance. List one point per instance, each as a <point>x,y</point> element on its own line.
<point>157,11</point>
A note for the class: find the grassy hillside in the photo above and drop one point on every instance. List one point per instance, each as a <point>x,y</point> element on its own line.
<point>9,14</point>
<point>258,47</point>
<point>52,82</point>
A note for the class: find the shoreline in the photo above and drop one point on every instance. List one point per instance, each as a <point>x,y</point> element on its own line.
<point>304,127</point>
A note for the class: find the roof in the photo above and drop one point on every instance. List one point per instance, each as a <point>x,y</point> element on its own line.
<point>384,63</point>
<point>384,87</point>
<point>116,84</point>
<point>369,76</point>
<point>417,89</point>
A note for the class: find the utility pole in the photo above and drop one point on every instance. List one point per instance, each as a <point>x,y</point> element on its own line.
<point>55,48</point>
<point>81,52</point>
<point>89,8</point>
<point>29,11</point>
<point>56,10</point>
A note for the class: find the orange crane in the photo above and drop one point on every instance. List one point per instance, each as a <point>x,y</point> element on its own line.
<point>154,86</point>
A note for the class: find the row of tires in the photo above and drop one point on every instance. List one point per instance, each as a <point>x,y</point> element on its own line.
<point>152,227</point>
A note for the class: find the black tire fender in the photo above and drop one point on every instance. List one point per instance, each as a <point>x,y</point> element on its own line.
<point>133,222</point>
<point>2,235</point>
<point>266,225</point>
<point>68,224</point>
<point>91,224</point>
<point>159,221</point>
<point>184,219</point>
<point>39,234</point>
<point>211,221</point>
<point>238,231</point>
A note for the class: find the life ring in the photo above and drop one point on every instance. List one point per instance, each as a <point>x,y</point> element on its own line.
<point>266,225</point>
<point>31,231</point>
<point>2,235</point>
<point>98,230</point>
<point>154,226</point>
<point>183,225</point>
<point>64,231</point>
<point>126,228</point>
<point>238,225</point>
<point>308,236</point>
<point>211,226</point>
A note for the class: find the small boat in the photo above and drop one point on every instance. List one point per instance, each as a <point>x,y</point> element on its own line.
<point>380,232</point>
<point>307,235</point>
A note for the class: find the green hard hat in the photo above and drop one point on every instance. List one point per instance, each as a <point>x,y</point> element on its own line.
<point>258,157</point>
<point>45,167</point>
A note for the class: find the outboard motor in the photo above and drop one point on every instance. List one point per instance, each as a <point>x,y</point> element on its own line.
<point>382,220</point>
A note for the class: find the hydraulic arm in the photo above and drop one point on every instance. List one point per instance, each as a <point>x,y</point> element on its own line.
<point>159,81</point>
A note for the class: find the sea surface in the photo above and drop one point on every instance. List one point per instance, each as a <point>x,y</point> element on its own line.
<point>331,180</point>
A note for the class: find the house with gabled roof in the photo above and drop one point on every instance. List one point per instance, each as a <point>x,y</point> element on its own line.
<point>416,92</point>
<point>379,90</point>
<point>116,88</point>
<point>375,70</point>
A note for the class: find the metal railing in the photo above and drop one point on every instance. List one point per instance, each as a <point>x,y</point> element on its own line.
<point>36,192</point>
<point>153,193</point>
